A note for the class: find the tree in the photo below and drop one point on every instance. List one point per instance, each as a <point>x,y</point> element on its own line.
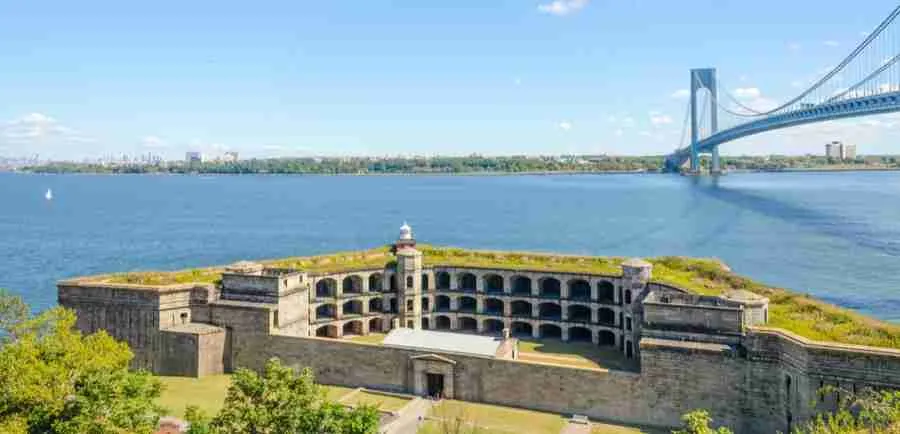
<point>53,379</point>
<point>283,401</point>
<point>697,422</point>
<point>869,412</point>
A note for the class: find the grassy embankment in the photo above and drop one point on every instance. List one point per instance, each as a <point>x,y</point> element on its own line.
<point>798,313</point>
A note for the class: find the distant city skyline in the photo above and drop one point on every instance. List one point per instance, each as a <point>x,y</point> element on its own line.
<point>374,78</point>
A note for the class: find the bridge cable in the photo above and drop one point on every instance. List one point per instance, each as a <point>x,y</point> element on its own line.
<point>866,80</point>
<point>834,71</point>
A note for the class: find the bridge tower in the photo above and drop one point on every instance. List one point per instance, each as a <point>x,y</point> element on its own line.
<point>704,78</point>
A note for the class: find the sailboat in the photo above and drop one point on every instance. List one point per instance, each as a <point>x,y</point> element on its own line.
<point>49,194</point>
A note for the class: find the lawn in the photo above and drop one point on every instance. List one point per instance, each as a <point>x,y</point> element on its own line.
<point>795,312</point>
<point>208,393</point>
<point>382,401</point>
<point>578,354</point>
<point>496,419</point>
<point>371,338</point>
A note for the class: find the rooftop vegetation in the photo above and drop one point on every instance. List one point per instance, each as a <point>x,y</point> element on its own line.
<point>795,312</point>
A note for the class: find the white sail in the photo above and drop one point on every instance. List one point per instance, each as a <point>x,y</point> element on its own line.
<point>49,194</point>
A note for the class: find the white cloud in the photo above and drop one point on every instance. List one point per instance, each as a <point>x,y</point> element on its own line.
<point>747,92</point>
<point>831,43</point>
<point>660,119</point>
<point>37,128</point>
<point>565,125</point>
<point>562,7</point>
<point>681,94</point>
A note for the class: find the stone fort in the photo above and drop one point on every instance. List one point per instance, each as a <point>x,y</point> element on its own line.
<point>453,332</point>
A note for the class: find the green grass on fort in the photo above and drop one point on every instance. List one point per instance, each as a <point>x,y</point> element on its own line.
<point>798,313</point>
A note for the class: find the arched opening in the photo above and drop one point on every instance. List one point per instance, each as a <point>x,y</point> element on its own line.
<point>353,328</point>
<point>606,292</point>
<point>493,284</point>
<point>393,286</point>
<point>629,350</point>
<point>550,311</point>
<point>606,338</point>
<point>353,307</point>
<point>326,288</point>
<point>425,281</point>
<point>442,303</point>
<point>425,323</point>
<point>410,282</point>
<point>376,282</point>
<point>376,305</point>
<point>494,326</point>
<point>326,311</point>
<point>425,305</point>
<point>550,287</point>
<point>327,331</point>
<point>606,316</point>
<point>521,285</point>
<point>442,322</point>
<point>467,304</point>
<point>442,280</point>
<point>466,282</point>
<point>580,334</point>
<point>467,324</point>
<point>493,306</point>
<point>520,328</point>
<point>579,289</point>
<point>409,305</point>
<point>521,308</point>
<point>376,325</point>
<point>550,331</point>
<point>393,304</point>
<point>579,313</point>
<point>352,285</point>
<point>627,296</point>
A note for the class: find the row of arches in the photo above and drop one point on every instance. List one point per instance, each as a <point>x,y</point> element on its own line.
<point>523,285</point>
<point>525,329</point>
<point>520,308</point>
<point>550,287</point>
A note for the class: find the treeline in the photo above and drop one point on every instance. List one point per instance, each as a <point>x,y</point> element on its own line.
<point>799,162</point>
<point>334,166</point>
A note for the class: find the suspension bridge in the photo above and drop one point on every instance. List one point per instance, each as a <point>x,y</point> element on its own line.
<point>866,82</point>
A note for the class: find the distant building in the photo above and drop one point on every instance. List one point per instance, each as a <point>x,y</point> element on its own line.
<point>193,157</point>
<point>839,151</point>
<point>230,157</point>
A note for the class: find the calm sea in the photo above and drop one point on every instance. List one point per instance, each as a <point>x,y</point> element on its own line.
<point>835,235</point>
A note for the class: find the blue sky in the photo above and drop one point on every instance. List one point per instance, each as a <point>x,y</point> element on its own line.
<point>377,77</point>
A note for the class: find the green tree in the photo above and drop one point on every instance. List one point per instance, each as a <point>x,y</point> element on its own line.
<point>698,422</point>
<point>53,379</point>
<point>284,401</point>
<point>866,412</point>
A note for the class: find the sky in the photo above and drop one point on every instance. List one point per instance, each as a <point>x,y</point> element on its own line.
<point>88,78</point>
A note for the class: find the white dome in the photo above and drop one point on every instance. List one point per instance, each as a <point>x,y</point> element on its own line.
<point>405,232</point>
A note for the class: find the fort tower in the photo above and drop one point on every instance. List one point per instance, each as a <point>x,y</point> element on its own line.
<point>409,280</point>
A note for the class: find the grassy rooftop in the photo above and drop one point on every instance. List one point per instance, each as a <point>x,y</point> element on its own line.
<point>798,313</point>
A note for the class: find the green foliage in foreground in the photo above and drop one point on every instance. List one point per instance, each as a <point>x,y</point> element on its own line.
<point>698,422</point>
<point>53,379</point>
<point>869,412</point>
<point>798,313</point>
<point>282,400</point>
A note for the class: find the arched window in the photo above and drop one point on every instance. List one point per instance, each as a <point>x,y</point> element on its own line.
<point>409,281</point>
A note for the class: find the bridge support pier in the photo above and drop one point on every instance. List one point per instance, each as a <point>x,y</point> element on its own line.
<point>716,168</point>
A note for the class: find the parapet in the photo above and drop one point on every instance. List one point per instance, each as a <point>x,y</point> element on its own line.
<point>249,281</point>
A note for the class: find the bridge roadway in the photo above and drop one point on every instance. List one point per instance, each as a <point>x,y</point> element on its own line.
<point>881,103</point>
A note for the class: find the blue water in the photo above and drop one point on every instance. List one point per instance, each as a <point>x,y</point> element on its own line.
<point>835,235</point>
